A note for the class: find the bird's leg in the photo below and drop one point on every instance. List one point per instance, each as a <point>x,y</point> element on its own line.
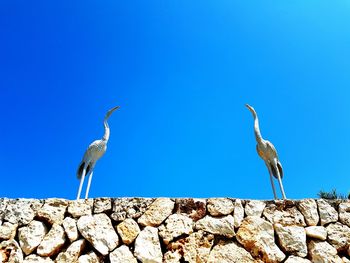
<point>81,182</point>
<point>271,180</point>
<point>279,180</point>
<point>89,183</point>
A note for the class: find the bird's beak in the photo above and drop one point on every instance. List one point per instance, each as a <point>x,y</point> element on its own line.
<point>250,108</point>
<point>111,111</point>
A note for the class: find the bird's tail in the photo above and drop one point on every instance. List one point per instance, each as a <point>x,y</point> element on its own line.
<point>81,169</point>
<point>280,170</point>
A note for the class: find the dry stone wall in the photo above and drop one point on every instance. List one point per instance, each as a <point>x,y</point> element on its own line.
<point>156,230</point>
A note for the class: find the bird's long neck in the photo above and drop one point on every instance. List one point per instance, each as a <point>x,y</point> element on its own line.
<point>107,132</point>
<point>256,128</point>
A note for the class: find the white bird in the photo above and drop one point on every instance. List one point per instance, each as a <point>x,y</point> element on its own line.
<point>268,153</point>
<point>94,152</point>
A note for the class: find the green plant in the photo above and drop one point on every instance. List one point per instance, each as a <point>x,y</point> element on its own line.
<point>332,195</point>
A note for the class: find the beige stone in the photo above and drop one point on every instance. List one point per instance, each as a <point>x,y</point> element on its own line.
<point>72,253</point>
<point>344,213</point>
<point>338,235</point>
<point>10,252</point>
<point>172,257</point>
<point>175,226</point>
<point>257,236</point>
<point>327,213</point>
<point>53,210</point>
<point>128,230</point>
<point>238,213</point>
<point>52,242</point>
<point>219,206</point>
<point>220,226</point>
<point>322,252</point>
<point>8,231</point>
<point>102,205</point>
<point>70,227</point>
<point>30,236</point>
<point>254,208</point>
<point>21,211</point>
<point>37,259</point>
<point>90,257</point>
<point>318,232</point>
<point>129,208</point>
<point>288,217</point>
<point>194,208</point>
<point>122,255</point>
<point>147,246</point>
<point>308,208</point>
<point>295,259</point>
<point>228,252</point>
<point>157,212</point>
<point>98,230</point>
<point>81,207</point>
<point>292,239</point>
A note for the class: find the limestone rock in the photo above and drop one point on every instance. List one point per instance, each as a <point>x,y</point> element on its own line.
<point>308,208</point>
<point>130,208</point>
<point>321,251</point>
<point>294,259</point>
<point>345,260</point>
<point>223,226</point>
<point>30,236</point>
<point>219,206</point>
<point>318,232</point>
<point>37,259</point>
<point>157,212</point>
<point>194,208</point>
<point>327,213</point>
<point>172,257</point>
<point>90,257</point>
<point>338,235</point>
<point>238,213</point>
<point>98,230</point>
<point>70,227</point>
<point>10,252</point>
<point>122,255</point>
<point>52,241</point>
<point>3,205</point>
<point>53,210</point>
<point>257,236</point>
<point>147,246</point>
<point>292,239</point>
<point>175,226</point>
<point>344,213</point>
<point>128,230</point>
<point>8,231</point>
<point>21,211</point>
<point>194,248</point>
<point>254,208</point>
<point>102,205</point>
<point>72,253</point>
<point>81,207</point>
<point>288,217</point>
<point>228,252</point>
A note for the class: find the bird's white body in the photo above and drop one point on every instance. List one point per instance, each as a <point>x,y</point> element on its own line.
<point>93,153</point>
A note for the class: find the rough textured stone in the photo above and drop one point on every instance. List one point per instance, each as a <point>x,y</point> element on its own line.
<point>3,205</point>
<point>318,232</point>
<point>344,213</point>
<point>8,231</point>
<point>21,211</point>
<point>175,226</point>
<point>288,217</point>
<point>147,246</point>
<point>37,259</point>
<point>53,210</point>
<point>254,208</point>
<point>72,253</point>
<point>157,212</point>
<point>292,239</point>
<point>98,230</point>
<point>52,241</point>
<point>10,252</point>
<point>219,206</point>
<point>322,252</point>
<point>102,205</point>
<point>70,227</point>
<point>194,208</point>
<point>345,260</point>
<point>90,257</point>
<point>257,236</point>
<point>294,259</point>
<point>130,207</point>
<point>122,255</point>
<point>327,213</point>
<point>221,226</point>
<point>228,252</point>
<point>338,235</point>
<point>172,257</point>
<point>30,236</point>
<point>128,230</point>
<point>238,213</point>
<point>308,208</point>
<point>81,207</point>
<point>194,248</point>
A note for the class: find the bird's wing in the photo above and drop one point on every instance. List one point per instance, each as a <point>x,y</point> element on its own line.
<point>280,169</point>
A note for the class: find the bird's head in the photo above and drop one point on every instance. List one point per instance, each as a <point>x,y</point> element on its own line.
<point>251,109</point>
<point>109,113</point>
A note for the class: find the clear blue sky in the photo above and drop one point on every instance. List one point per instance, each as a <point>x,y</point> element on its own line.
<point>181,72</point>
